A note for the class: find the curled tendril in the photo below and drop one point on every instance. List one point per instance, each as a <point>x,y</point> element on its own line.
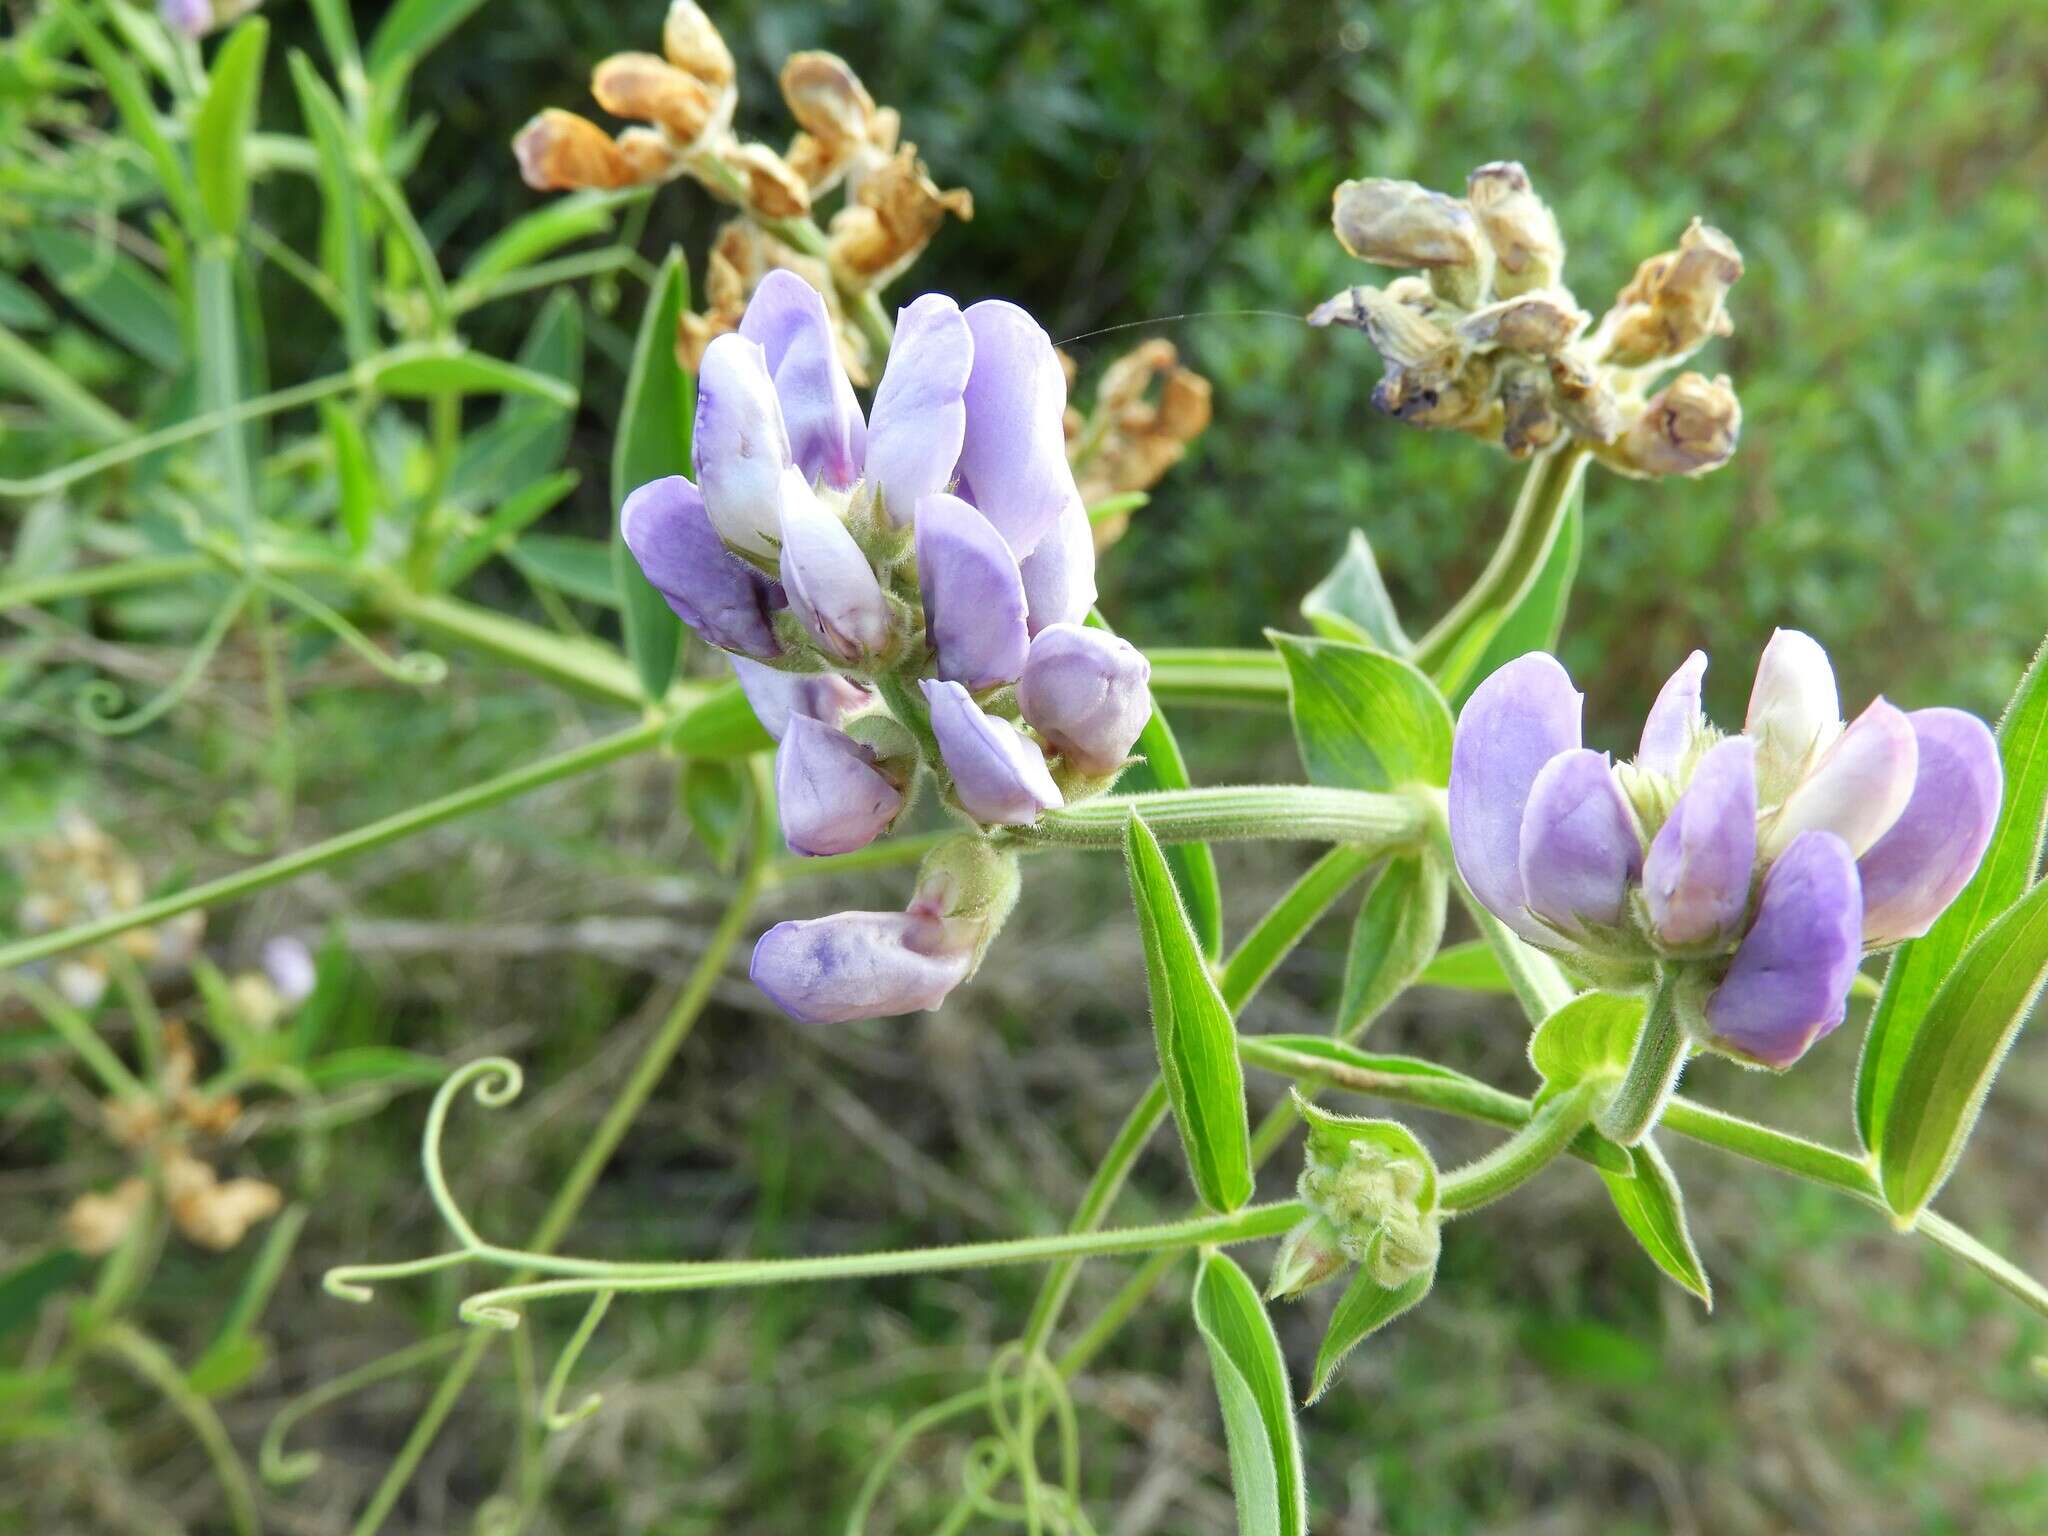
<point>239,825</point>
<point>99,702</point>
<point>415,669</point>
<point>278,1467</point>
<point>551,1413</point>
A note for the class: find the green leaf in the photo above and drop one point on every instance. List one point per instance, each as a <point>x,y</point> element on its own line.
<point>1651,1207</point>
<point>1196,1039</point>
<point>354,473</point>
<point>468,373</point>
<point>723,725</point>
<point>1535,623</point>
<point>1351,603</point>
<point>524,441</point>
<point>119,294</point>
<point>226,118</point>
<point>1919,966</point>
<point>512,517</point>
<point>344,230</point>
<point>410,31</point>
<point>1161,766</point>
<point>131,97</point>
<point>653,440</point>
<point>1365,1307</point>
<point>20,309</point>
<point>24,1288</point>
<point>1591,1036</point>
<point>1266,1476</point>
<point>375,1066</point>
<point>545,230</point>
<point>1364,719</point>
<point>228,1364</point>
<point>1468,967</point>
<point>1400,923</point>
<point>579,568</point>
<point>1956,1052</point>
<point>717,796</point>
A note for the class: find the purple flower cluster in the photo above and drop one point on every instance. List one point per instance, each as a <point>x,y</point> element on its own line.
<point>938,541</point>
<point>1769,861</point>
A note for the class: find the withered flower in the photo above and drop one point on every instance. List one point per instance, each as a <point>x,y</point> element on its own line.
<point>558,151</point>
<point>890,217</point>
<point>1135,432</point>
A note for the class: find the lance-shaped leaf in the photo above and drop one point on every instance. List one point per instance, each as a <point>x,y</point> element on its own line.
<point>1468,967</point>
<point>119,294</point>
<point>1651,1207</point>
<point>1192,1027</point>
<point>1919,966</point>
<point>653,440</point>
<point>1365,1307</point>
<point>1351,603</point>
<point>1266,1474</point>
<point>224,123</point>
<point>1364,719</point>
<point>1400,923</point>
<point>1956,1052</point>
<point>469,373</point>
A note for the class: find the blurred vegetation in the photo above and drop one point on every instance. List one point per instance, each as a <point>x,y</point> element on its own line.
<point>1883,168</point>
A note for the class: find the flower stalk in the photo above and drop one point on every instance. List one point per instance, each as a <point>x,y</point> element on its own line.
<point>1652,1075</point>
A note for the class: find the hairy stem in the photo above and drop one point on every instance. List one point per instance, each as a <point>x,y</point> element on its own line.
<point>1653,1068</point>
<point>1550,1130</point>
<point>1277,812</point>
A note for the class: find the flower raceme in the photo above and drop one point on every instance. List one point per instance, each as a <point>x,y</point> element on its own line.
<point>1764,863</point>
<point>839,558</point>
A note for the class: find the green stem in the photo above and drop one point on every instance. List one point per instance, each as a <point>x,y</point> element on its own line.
<point>463,802</point>
<point>1653,1068</point>
<point>1222,679</point>
<point>1454,644</point>
<point>220,381</point>
<point>1278,812</point>
<point>1551,1129</point>
<point>77,1032</point>
<point>597,1152</point>
<point>149,1361</point>
<point>78,407</point>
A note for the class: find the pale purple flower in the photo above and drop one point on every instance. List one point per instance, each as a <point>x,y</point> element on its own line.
<point>786,318</point>
<point>290,966</point>
<point>1752,874</point>
<point>1059,575</point>
<point>973,595</point>
<point>920,410</point>
<point>863,965</point>
<point>1789,982</point>
<point>1088,694</point>
<point>831,795</point>
<point>832,588</point>
<point>712,590</point>
<point>1014,453</point>
<point>194,18</point>
<point>776,695</point>
<point>740,445</point>
<point>999,777</point>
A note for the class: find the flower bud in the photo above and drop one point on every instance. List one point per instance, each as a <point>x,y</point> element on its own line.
<point>740,445</point>
<point>1086,692</point>
<point>826,97</point>
<point>831,796</point>
<point>1915,870</point>
<point>194,18</point>
<point>1697,876</point>
<point>973,595</point>
<point>1689,427</point>
<point>832,588</point>
<point>643,86</point>
<point>999,777</point>
<point>1795,712</point>
<point>558,151</point>
<point>1373,1182</point>
<point>1402,224</point>
<point>965,878</point>
<point>1309,1254</point>
<point>920,414</point>
<point>863,965</point>
<point>1675,720</point>
<point>1528,250</point>
<point>776,695</point>
<point>1579,849</point>
<point>1789,982</point>
<point>669,534</point>
<point>693,45</point>
<point>1675,302</point>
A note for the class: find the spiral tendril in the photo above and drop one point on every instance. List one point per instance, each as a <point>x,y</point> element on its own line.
<point>279,1467</point>
<point>551,1414</point>
<point>415,669</point>
<point>99,702</point>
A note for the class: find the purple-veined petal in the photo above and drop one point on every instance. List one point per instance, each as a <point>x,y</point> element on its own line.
<point>1059,575</point>
<point>1794,709</point>
<point>1857,787</point>
<point>999,777</point>
<point>1674,719</point>
<point>1086,692</point>
<point>1914,871</point>
<point>831,586</point>
<point>776,695</point>
<point>1514,723</point>
<point>861,965</point>
<point>1579,847</point>
<point>1015,446</point>
<point>1789,982</point>
<point>973,594</point>
<point>920,415</point>
<point>1696,878</point>
<point>712,590</point>
<point>831,797</point>
<point>787,318</point>
<point>740,445</point>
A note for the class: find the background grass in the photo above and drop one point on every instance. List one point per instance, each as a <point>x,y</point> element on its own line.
<point>1883,167</point>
